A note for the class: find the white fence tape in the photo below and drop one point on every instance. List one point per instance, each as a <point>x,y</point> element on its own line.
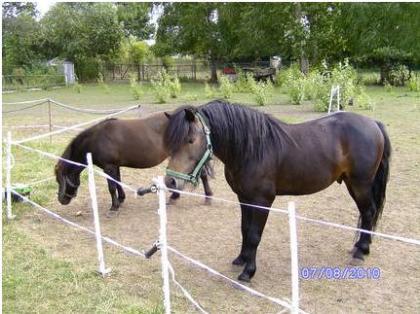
<point>42,101</point>
<point>26,102</point>
<point>108,240</point>
<point>184,291</point>
<point>215,272</point>
<point>322,222</point>
<point>37,137</point>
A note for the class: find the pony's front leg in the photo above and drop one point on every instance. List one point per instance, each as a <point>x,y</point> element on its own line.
<point>206,186</point>
<point>173,198</point>
<point>121,193</point>
<point>253,238</point>
<point>245,221</point>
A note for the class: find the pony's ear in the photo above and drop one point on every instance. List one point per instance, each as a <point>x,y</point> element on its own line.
<point>167,115</point>
<point>190,115</point>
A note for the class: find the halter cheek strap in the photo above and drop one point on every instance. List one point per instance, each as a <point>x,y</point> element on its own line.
<point>193,176</point>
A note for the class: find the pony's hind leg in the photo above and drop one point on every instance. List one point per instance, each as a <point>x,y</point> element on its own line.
<point>121,193</point>
<point>363,196</point>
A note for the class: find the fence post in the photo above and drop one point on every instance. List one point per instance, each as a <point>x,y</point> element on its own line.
<point>163,243</point>
<point>331,99</point>
<point>50,118</point>
<point>92,190</point>
<point>9,214</point>
<point>294,258</point>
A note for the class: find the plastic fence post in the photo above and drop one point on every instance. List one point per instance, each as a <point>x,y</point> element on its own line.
<point>92,190</point>
<point>163,243</point>
<point>9,214</point>
<point>294,258</point>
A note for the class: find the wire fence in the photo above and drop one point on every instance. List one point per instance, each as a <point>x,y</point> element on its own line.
<point>167,269</point>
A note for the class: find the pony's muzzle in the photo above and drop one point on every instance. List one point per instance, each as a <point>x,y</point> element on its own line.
<point>174,183</point>
<point>170,182</point>
<point>64,200</point>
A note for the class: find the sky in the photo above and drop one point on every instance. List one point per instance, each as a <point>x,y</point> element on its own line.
<point>44,5</point>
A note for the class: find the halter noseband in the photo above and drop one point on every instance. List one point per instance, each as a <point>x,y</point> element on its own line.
<point>193,176</point>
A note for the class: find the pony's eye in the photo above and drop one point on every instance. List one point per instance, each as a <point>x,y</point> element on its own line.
<point>191,140</point>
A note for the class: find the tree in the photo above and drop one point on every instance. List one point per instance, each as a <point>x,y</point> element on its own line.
<point>383,34</point>
<point>193,29</point>
<point>20,35</point>
<point>238,31</point>
<point>85,33</point>
<point>135,19</point>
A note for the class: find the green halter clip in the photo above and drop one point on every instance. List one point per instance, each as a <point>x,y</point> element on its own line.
<point>193,176</point>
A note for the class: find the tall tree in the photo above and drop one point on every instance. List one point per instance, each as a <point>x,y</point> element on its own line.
<point>385,33</point>
<point>20,35</point>
<point>82,32</point>
<point>135,19</point>
<point>194,29</point>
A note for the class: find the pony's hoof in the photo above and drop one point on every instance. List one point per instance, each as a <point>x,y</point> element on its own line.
<point>356,261</point>
<point>244,277</point>
<point>352,251</point>
<point>121,200</point>
<point>239,261</point>
<point>172,201</point>
<point>112,213</point>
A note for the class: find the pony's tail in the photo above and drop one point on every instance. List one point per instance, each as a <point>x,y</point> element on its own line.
<point>381,177</point>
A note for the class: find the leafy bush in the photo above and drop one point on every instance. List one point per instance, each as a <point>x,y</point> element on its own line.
<point>174,86</point>
<point>370,79</point>
<point>398,75</point>
<point>226,87</point>
<point>388,87</point>
<point>191,97</point>
<point>295,84</point>
<point>166,86</point>
<point>245,82</point>
<point>414,84</point>
<point>209,91</point>
<point>281,77</point>
<point>135,88</point>
<point>102,84</point>
<point>314,85</point>
<point>77,87</point>
<point>363,101</point>
<point>262,93</point>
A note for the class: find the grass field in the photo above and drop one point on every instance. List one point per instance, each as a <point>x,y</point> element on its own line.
<point>49,267</point>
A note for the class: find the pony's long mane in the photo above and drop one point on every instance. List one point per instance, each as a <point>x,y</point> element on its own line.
<point>238,131</point>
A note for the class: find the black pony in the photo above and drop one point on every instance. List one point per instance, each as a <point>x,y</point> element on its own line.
<point>265,157</point>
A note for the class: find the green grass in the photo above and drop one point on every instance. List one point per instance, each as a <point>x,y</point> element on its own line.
<point>35,282</point>
<point>119,95</point>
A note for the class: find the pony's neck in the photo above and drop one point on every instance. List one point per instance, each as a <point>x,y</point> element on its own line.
<point>221,143</point>
<point>76,151</point>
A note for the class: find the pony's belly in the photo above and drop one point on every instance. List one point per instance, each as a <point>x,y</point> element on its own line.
<point>302,187</point>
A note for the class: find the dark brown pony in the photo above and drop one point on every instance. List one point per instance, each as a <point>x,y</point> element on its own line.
<point>114,143</point>
<point>265,157</point>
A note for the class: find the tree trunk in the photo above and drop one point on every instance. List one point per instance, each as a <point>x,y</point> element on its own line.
<point>303,60</point>
<point>213,70</point>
